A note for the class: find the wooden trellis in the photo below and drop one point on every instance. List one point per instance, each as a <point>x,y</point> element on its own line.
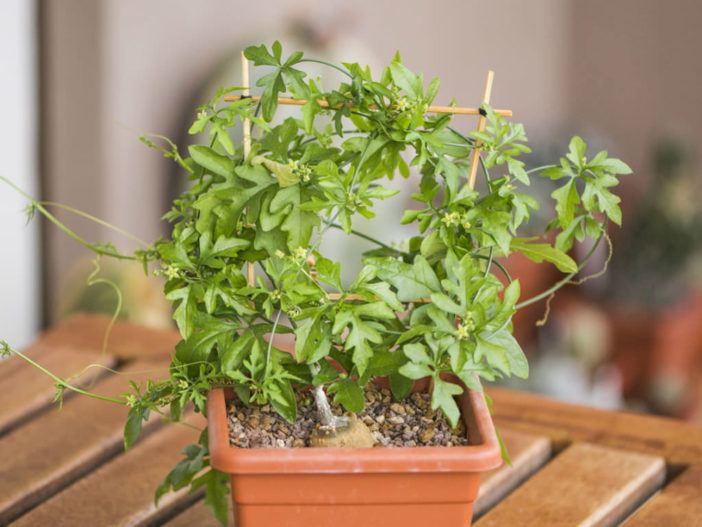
<point>475,155</point>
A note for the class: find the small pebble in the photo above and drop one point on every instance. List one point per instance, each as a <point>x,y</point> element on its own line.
<point>398,408</point>
<point>407,423</point>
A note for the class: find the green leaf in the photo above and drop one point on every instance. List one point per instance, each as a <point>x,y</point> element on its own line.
<point>608,202</point>
<point>405,79</point>
<point>432,91</point>
<point>309,110</point>
<point>349,394</point>
<point>382,290</point>
<point>411,281</point>
<point>385,362</point>
<point>312,339</point>
<point>223,248</point>
<point>538,252</point>
<point>374,310</point>
<point>469,379</point>
<point>554,173</point>
<point>400,385</point>
<point>298,223</point>
<point>518,363</point>
<point>442,397</point>
<point>234,354</point>
<point>446,304</point>
<point>132,428</point>
<point>217,494</point>
<point>440,320</point>
<point>432,247</point>
<point>212,161</point>
<point>495,354</point>
<point>417,353</point>
<point>186,310</point>
<point>282,171</point>
<point>616,166</point>
<point>576,154</point>
<point>412,370</point>
<point>209,331</point>
<point>329,272</point>
<point>283,400</point>
<point>566,199</point>
<point>260,56</point>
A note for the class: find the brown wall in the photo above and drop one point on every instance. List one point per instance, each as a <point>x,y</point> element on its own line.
<point>636,75</point>
<point>72,149</point>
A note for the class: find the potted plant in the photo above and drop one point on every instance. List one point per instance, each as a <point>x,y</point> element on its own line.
<point>243,264</point>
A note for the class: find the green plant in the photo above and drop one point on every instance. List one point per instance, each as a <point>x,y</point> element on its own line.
<point>438,307</point>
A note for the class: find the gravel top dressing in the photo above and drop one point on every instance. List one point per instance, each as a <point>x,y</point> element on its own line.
<point>406,423</point>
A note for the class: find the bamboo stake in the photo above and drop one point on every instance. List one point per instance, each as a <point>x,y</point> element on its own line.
<point>475,157</point>
<point>431,109</point>
<point>247,141</point>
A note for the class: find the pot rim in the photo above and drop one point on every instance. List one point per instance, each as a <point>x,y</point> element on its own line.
<point>311,460</point>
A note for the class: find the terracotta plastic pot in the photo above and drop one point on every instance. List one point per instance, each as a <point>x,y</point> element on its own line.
<point>356,487</point>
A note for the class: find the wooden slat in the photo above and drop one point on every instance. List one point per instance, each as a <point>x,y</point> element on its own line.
<point>86,332</point>
<point>527,453</point>
<point>48,453</point>
<point>120,492</point>
<point>678,442</point>
<point>586,485</point>
<point>28,390</point>
<point>197,515</point>
<point>679,503</point>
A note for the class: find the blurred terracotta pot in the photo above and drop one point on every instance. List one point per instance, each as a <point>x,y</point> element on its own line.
<point>356,487</point>
<point>533,279</point>
<point>659,354</point>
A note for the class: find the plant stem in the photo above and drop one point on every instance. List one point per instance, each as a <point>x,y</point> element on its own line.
<point>318,61</point>
<point>369,238</point>
<point>96,220</point>
<point>487,174</point>
<point>496,264</point>
<point>544,167</point>
<point>63,383</point>
<point>38,206</point>
<point>568,277</point>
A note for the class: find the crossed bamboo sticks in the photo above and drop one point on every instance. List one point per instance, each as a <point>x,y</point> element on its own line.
<point>474,160</point>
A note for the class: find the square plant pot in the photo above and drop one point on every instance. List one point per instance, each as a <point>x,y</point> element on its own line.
<point>356,487</point>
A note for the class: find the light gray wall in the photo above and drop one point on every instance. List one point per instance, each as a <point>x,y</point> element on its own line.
<point>19,245</point>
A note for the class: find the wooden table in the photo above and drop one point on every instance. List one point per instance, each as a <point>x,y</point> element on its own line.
<point>572,465</point>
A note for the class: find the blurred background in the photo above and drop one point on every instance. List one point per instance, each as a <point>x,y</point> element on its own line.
<point>83,79</point>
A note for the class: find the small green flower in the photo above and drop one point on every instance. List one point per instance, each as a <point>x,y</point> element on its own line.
<point>171,272</point>
<point>465,327</point>
<point>451,218</point>
<point>401,104</point>
<point>131,400</point>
